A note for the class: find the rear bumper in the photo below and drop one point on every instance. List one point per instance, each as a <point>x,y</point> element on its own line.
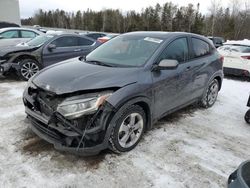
<point>236,72</point>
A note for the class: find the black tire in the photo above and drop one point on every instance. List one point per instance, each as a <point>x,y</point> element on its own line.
<point>208,100</point>
<point>28,67</point>
<point>114,143</point>
<point>247,116</point>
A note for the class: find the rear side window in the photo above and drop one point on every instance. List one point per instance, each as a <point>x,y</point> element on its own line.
<point>95,35</point>
<point>28,34</point>
<point>10,34</point>
<point>201,48</point>
<point>177,50</point>
<point>66,41</point>
<point>84,42</point>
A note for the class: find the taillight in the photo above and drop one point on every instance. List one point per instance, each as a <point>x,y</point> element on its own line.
<point>102,40</point>
<point>246,57</point>
<point>222,58</point>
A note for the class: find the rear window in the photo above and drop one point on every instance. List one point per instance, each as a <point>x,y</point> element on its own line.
<point>236,48</point>
<point>201,48</point>
<point>85,42</point>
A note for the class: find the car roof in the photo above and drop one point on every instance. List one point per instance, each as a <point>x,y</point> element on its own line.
<point>164,35</point>
<point>19,28</point>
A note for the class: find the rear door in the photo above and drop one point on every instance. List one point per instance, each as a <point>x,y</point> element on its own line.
<point>203,64</point>
<point>86,45</point>
<point>66,47</point>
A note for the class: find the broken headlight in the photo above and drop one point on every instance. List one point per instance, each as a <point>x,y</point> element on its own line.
<point>75,108</point>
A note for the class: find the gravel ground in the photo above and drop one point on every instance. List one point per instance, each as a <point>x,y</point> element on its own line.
<point>191,148</point>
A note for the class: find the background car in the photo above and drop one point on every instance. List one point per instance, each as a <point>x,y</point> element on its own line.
<point>247,115</point>
<point>7,24</point>
<point>236,57</point>
<point>28,58</point>
<point>107,38</point>
<point>12,36</point>
<point>218,41</point>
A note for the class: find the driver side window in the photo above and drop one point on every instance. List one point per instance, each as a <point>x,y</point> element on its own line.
<point>177,50</point>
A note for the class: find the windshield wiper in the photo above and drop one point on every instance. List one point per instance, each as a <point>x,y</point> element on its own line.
<point>99,63</point>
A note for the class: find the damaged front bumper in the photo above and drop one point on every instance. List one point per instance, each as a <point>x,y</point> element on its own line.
<point>64,134</point>
<point>5,67</point>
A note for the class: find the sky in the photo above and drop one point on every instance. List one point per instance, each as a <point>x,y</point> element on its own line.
<point>28,7</point>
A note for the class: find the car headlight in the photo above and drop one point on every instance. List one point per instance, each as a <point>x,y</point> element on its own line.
<point>72,109</point>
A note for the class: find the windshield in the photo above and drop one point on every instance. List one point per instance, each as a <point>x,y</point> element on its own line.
<point>126,51</point>
<point>39,40</point>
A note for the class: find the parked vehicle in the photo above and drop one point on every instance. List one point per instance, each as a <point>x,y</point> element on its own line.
<point>218,41</point>
<point>241,177</point>
<point>237,57</point>
<point>95,36</point>
<point>12,36</point>
<point>28,58</point>
<point>7,24</point>
<point>107,38</point>
<point>115,94</point>
<point>247,115</point>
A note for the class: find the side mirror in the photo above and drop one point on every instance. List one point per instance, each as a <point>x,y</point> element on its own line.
<point>51,47</point>
<point>166,64</point>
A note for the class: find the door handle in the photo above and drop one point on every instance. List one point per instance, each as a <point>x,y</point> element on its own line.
<point>188,68</point>
<point>77,50</point>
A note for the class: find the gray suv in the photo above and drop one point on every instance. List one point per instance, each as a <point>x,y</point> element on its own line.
<point>112,96</point>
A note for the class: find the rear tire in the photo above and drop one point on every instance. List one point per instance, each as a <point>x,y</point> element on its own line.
<point>247,116</point>
<point>28,68</point>
<point>128,130</point>
<point>211,94</point>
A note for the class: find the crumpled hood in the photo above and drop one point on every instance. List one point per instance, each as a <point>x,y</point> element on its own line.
<point>6,50</point>
<point>74,75</point>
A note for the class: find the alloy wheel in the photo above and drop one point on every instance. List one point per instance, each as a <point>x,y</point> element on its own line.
<point>29,69</point>
<point>130,130</point>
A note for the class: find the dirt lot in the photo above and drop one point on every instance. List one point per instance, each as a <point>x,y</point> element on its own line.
<point>191,148</point>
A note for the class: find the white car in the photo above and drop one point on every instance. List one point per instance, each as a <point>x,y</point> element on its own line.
<point>12,36</point>
<point>236,57</point>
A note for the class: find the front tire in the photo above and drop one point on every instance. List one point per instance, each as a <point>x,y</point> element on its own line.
<point>28,68</point>
<point>211,94</point>
<point>247,116</point>
<point>128,130</point>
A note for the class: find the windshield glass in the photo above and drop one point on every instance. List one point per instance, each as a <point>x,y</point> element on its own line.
<point>126,51</point>
<point>39,40</point>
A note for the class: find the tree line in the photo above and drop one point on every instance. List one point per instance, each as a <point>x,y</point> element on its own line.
<point>230,22</point>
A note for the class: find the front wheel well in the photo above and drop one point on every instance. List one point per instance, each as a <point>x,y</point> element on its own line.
<point>147,111</point>
<point>22,57</point>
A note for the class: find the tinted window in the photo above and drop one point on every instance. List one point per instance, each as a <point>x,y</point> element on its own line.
<point>10,34</point>
<point>66,41</point>
<point>85,42</point>
<point>201,47</point>
<point>95,35</point>
<point>177,50</point>
<point>28,34</point>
